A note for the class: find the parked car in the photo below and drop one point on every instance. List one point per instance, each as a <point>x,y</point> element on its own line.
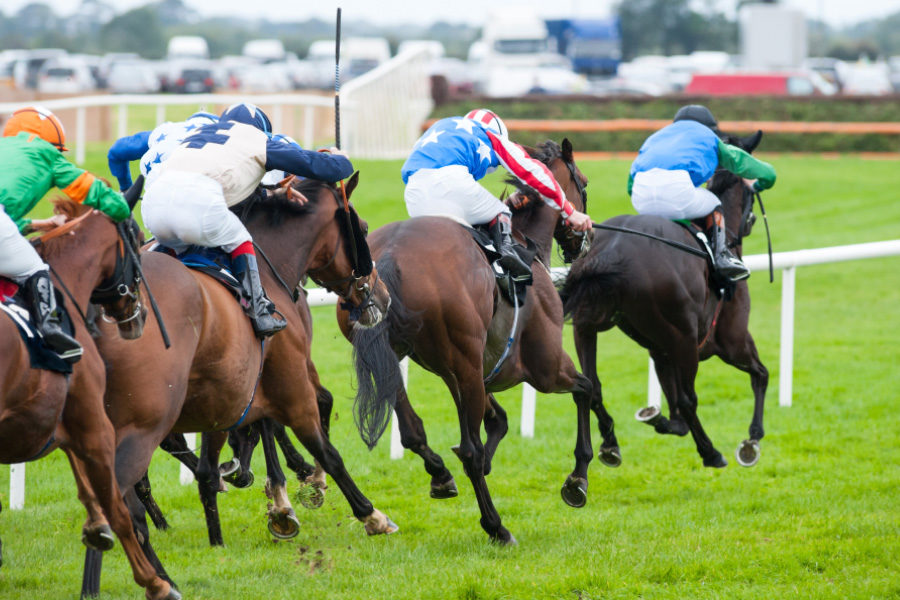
<point>190,78</point>
<point>759,83</point>
<point>133,77</point>
<point>65,76</point>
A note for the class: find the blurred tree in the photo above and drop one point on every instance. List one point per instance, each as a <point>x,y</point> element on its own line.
<point>137,30</point>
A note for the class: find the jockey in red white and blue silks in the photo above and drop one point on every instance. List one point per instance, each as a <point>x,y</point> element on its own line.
<point>152,147</point>
<point>442,173</point>
<point>219,165</point>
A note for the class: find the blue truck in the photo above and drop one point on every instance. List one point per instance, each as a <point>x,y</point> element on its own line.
<point>593,45</point>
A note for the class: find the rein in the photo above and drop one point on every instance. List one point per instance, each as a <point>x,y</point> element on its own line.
<point>674,244</point>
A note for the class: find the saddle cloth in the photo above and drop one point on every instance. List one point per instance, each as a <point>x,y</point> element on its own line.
<point>504,281</point>
<point>215,262</point>
<point>40,356</point>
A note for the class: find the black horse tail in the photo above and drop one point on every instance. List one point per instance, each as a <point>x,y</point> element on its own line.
<point>591,290</point>
<point>377,365</point>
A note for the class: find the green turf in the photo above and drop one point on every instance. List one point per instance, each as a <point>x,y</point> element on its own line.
<point>818,517</point>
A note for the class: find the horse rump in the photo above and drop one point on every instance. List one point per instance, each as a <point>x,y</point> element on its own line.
<point>591,289</point>
<point>377,365</point>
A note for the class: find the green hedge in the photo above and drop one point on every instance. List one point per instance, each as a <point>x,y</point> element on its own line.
<point>762,108</point>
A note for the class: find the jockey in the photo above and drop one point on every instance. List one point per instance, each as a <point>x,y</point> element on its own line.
<point>219,165</point>
<point>152,147</point>
<point>675,161</point>
<point>31,162</point>
<point>442,173</point>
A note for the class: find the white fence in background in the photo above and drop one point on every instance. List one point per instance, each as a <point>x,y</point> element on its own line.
<point>381,110</point>
<point>785,261</point>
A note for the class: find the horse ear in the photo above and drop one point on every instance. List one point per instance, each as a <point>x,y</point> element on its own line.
<point>351,184</point>
<point>134,192</point>
<point>566,150</point>
<point>750,143</point>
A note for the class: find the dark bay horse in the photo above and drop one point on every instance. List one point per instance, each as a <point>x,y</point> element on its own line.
<point>42,410</point>
<point>447,315</point>
<point>660,297</point>
<point>217,374</point>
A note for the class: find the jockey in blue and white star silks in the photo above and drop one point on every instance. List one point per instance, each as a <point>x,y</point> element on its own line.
<point>442,173</point>
<point>152,147</point>
<point>218,166</point>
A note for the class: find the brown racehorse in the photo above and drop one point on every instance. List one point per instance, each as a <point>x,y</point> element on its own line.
<point>447,315</point>
<point>217,375</point>
<point>42,410</point>
<point>660,297</point>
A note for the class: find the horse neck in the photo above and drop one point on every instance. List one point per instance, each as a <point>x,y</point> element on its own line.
<point>732,205</point>
<point>538,224</point>
<point>287,251</point>
<point>79,259</point>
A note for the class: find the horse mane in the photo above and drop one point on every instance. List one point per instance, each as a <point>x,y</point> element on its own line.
<point>546,152</point>
<point>63,205</point>
<point>721,181</point>
<point>278,206</point>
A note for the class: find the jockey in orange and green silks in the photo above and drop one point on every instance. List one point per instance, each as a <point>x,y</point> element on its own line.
<point>31,162</point>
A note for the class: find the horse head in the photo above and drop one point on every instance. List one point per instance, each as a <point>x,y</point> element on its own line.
<point>737,200</point>
<point>90,247</point>
<point>338,257</point>
<point>559,159</point>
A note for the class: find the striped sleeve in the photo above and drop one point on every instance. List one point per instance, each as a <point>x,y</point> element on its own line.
<point>530,171</point>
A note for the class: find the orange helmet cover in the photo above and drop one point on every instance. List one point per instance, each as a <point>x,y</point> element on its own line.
<point>39,121</point>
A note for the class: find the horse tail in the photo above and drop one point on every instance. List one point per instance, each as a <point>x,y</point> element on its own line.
<point>591,290</point>
<point>377,365</point>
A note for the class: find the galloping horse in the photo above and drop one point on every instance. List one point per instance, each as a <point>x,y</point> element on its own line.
<point>41,410</point>
<point>448,316</point>
<point>661,298</point>
<point>217,374</point>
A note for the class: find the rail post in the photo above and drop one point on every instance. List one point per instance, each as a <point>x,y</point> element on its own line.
<point>786,365</point>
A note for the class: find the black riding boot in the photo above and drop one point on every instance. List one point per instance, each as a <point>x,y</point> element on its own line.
<point>260,309</point>
<point>40,295</point>
<point>501,232</point>
<point>726,263</point>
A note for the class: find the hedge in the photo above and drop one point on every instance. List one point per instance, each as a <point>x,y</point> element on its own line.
<point>763,108</point>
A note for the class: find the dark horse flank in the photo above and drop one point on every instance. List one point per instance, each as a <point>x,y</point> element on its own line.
<point>661,297</point>
<point>447,315</point>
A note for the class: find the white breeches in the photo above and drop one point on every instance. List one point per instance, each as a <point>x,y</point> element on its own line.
<point>451,191</point>
<point>671,194</point>
<point>183,208</point>
<point>18,259</point>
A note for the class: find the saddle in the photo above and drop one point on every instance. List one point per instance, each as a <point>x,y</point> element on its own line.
<point>40,356</point>
<point>722,286</point>
<point>504,281</point>
<point>214,262</point>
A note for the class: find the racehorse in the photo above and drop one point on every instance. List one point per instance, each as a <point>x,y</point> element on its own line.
<point>92,260</point>
<point>661,298</point>
<point>448,316</point>
<point>217,374</point>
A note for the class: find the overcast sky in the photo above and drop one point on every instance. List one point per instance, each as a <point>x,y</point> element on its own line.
<point>834,12</point>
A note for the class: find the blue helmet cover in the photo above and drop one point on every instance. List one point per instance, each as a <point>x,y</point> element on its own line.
<point>249,114</point>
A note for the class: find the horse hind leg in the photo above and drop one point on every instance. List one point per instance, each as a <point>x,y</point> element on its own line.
<point>208,485</point>
<point>282,521</point>
<point>586,348</point>
<point>145,495</point>
<point>413,438</point>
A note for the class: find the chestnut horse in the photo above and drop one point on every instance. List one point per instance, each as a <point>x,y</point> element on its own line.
<point>661,298</point>
<point>217,375</point>
<point>448,316</point>
<point>91,259</point>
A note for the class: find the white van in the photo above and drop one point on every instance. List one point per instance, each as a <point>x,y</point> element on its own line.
<point>187,47</point>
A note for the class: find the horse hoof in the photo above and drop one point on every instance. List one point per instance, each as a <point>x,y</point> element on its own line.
<point>747,453</point>
<point>610,456</point>
<point>284,525</point>
<point>311,496</point>
<point>504,538</point>
<point>379,523</point>
<point>717,461</point>
<point>98,538</point>
<point>444,490</point>
<point>649,415</point>
<point>574,491</point>
<point>229,469</point>
<point>241,480</point>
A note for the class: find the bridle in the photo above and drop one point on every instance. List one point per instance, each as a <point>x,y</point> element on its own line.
<point>585,239</point>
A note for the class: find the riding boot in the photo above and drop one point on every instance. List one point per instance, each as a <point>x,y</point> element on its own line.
<point>501,232</point>
<point>259,308</point>
<point>725,263</point>
<point>40,295</point>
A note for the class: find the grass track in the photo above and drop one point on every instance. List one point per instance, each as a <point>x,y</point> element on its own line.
<point>819,517</point>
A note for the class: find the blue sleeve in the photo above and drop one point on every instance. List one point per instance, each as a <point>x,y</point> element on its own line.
<point>123,151</point>
<point>306,163</point>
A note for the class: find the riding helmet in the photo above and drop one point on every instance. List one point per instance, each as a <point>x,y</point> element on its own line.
<point>698,113</point>
<point>487,119</point>
<point>39,121</point>
<point>249,114</point>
